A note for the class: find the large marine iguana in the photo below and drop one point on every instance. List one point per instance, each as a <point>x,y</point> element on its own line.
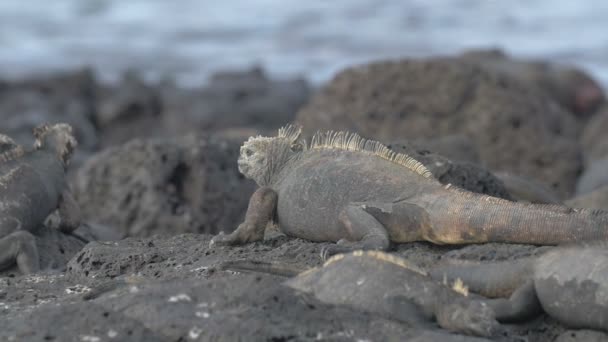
<point>359,193</point>
<point>32,186</point>
<point>569,283</point>
<point>381,283</point>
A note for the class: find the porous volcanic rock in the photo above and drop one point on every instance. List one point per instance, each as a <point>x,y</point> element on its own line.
<point>129,109</point>
<point>594,139</point>
<point>234,99</point>
<point>63,97</point>
<point>456,147</point>
<point>514,126</point>
<point>145,187</point>
<point>596,199</point>
<point>176,288</point>
<point>594,177</point>
<point>570,86</point>
<point>582,335</point>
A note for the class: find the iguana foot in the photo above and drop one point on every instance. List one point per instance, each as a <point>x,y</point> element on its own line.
<point>468,317</point>
<point>19,247</point>
<point>232,239</point>
<point>259,213</point>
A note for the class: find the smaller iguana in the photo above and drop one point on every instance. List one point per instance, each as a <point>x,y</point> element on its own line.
<point>32,186</point>
<point>357,192</point>
<point>569,283</point>
<point>381,283</point>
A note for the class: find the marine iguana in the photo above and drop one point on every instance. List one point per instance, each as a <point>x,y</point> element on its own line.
<point>32,186</point>
<point>569,283</point>
<point>381,283</point>
<point>357,192</point>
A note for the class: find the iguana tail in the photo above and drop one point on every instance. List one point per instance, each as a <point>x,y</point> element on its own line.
<point>496,279</point>
<point>459,217</point>
<point>276,268</point>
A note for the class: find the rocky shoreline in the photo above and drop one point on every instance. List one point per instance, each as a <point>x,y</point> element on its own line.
<point>155,176</point>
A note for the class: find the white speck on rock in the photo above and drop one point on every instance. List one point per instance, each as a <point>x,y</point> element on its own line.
<point>87,338</point>
<point>202,314</point>
<point>112,333</point>
<point>194,333</point>
<point>182,297</point>
<point>77,289</point>
<point>133,289</point>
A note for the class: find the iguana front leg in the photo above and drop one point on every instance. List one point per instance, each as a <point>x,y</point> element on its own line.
<point>260,212</point>
<point>69,213</point>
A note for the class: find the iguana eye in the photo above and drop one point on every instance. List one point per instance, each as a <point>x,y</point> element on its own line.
<point>248,152</point>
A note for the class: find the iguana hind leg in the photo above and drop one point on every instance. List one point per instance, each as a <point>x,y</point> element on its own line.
<point>260,212</point>
<point>19,247</point>
<point>363,231</point>
<point>522,305</point>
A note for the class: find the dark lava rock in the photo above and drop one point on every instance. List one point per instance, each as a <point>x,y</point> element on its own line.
<point>64,97</point>
<point>515,127</point>
<point>527,190</point>
<point>127,110</point>
<point>177,290</point>
<point>594,177</point>
<point>573,88</point>
<point>146,187</point>
<point>74,322</point>
<point>466,175</point>
<point>456,147</point>
<point>596,199</point>
<point>594,139</point>
<point>243,99</point>
<point>171,286</point>
<point>180,257</point>
<point>582,335</point>
<point>243,308</point>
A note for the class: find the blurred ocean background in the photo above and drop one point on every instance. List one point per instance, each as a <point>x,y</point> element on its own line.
<point>314,38</point>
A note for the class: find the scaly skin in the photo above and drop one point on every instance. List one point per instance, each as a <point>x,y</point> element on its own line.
<point>358,193</point>
<point>568,283</point>
<point>384,284</point>
<point>32,186</point>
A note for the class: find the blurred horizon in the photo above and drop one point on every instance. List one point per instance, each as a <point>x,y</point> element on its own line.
<point>190,39</point>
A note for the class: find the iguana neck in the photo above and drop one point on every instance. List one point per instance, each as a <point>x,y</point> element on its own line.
<point>279,161</point>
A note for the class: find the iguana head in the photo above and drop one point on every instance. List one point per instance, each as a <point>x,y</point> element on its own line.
<point>263,157</point>
<point>57,138</point>
<point>9,149</point>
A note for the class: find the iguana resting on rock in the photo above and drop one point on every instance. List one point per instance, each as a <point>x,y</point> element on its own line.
<point>32,186</point>
<point>359,193</point>
<point>388,285</point>
<point>569,283</point>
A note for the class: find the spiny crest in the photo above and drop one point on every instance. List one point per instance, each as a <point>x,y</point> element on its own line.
<point>290,132</point>
<point>379,256</point>
<point>9,149</point>
<point>354,142</point>
<point>42,130</point>
<point>460,287</point>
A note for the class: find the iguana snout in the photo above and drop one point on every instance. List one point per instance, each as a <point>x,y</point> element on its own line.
<point>262,157</point>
